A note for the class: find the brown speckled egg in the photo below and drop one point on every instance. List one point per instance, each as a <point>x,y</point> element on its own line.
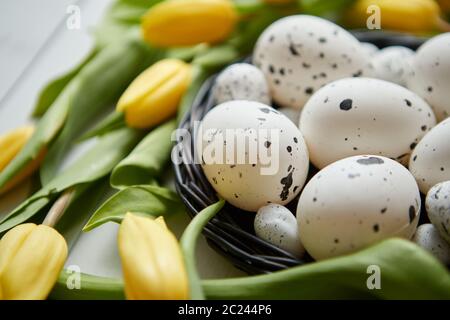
<point>301,53</point>
<point>356,202</point>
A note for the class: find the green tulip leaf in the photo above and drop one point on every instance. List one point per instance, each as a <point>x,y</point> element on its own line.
<point>93,165</point>
<point>146,162</point>
<point>114,121</point>
<point>99,85</point>
<point>146,200</point>
<point>52,90</point>
<point>406,272</point>
<point>321,7</point>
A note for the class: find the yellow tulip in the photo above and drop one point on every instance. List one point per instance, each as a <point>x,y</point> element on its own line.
<point>31,257</point>
<point>152,262</point>
<point>403,15</point>
<point>10,145</point>
<point>155,94</point>
<point>189,22</point>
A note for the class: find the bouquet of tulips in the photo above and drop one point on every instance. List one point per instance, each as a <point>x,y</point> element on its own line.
<point>150,59</point>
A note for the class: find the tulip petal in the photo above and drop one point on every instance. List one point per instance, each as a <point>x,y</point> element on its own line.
<point>152,263</point>
<point>34,269</point>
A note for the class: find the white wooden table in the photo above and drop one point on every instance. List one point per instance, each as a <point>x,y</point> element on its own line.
<point>36,46</point>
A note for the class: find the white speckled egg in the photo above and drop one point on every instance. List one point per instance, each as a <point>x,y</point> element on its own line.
<point>292,114</point>
<point>252,154</point>
<point>241,81</point>
<point>429,239</point>
<point>370,48</point>
<point>437,204</point>
<point>431,78</point>
<point>301,53</point>
<point>277,225</point>
<point>430,160</point>
<point>393,64</point>
<point>363,116</point>
<point>355,202</point>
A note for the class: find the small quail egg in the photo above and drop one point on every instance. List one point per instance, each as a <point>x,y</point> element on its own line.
<point>252,154</point>
<point>370,48</point>
<point>241,81</point>
<point>431,77</point>
<point>429,239</point>
<point>393,64</point>
<point>301,53</point>
<point>277,225</point>
<point>430,160</point>
<point>356,202</point>
<point>363,116</point>
<point>437,204</point>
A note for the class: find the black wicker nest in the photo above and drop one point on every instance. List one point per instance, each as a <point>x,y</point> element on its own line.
<point>231,231</point>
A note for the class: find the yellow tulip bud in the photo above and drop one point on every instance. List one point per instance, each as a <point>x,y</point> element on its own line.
<point>10,145</point>
<point>31,257</point>
<point>152,262</point>
<point>189,22</point>
<point>155,94</point>
<point>402,15</point>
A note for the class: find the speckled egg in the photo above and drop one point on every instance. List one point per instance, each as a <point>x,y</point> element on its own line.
<point>393,64</point>
<point>429,239</point>
<point>370,48</point>
<point>301,53</point>
<point>437,204</point>
<point>277,225</point>
<point>241,81</point>
<point>252,154</point>
<point>364,116</point>
<point>355,202</point>
<point>431,78</point>
<point>430,161</point>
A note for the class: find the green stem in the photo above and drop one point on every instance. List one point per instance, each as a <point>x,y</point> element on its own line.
<point>188,243</point>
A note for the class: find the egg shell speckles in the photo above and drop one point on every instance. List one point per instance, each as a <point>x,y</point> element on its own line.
<point>430,160</point>
<point>437,204</point>
<point>431,77</point>
<point>429,239</point>
<point>241,81</point>
<point>393,64</point>
<point>243,183</point>
<point>301,53</point>
<point>277,225</point>
<point>364,116</point>
<point>356,202</point>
